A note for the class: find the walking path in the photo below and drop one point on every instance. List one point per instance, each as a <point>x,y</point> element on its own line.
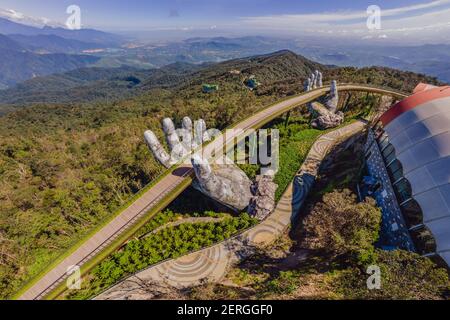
<point>111,236</point>
<point>211,264</point>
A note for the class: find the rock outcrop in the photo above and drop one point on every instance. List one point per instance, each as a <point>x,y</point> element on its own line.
<point>263,201</point>
<point>323,118</point>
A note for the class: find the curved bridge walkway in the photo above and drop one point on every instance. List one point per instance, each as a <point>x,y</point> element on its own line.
<point>211,264</point>
<point>106,240</point>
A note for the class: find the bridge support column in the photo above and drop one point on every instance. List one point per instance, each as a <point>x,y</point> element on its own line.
<point>347,101</point>
<point>286,120</point>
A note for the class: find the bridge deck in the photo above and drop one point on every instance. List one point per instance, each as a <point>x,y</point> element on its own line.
<point>104,238</point>
<point>211,264</point>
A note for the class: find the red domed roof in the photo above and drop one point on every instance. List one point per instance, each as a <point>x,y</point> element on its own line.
<point>422,93</point>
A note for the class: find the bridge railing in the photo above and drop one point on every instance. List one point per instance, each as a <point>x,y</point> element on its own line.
<point>79,241</point>
<point>154,265</point>
<point>240,233</point>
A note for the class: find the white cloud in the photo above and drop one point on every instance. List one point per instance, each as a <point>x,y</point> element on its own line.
<point>19,17</point>
<point>434,15</point>
<point>391,12</point>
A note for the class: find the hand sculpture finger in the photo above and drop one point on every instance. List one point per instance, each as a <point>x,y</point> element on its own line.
<point>187,124</point>
<point>185,133</point>
<point>176,148</point>
<point>157,149</point>
<point>200,133</point>
<point>333,98</point>
<point>225,183</point>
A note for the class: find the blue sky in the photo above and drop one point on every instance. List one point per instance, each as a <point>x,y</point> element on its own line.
<point>400,17</point>
<point>141,14</point>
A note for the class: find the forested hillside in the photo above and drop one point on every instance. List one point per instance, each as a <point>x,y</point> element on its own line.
<point>64,167</point>
<point>94,84</point>
<point>52,43</point>
<point>19,64</point>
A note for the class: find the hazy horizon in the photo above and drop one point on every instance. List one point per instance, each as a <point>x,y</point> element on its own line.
<point>402,22</point>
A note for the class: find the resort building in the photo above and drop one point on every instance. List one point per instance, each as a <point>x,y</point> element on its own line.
<point>408,166</point>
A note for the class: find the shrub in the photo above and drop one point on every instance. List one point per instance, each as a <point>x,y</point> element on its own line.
<point>404,275</point>
<point>339,225</point>
<point>165,244</point>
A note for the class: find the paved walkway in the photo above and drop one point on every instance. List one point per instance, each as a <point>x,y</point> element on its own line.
<point>211,264</point>
<point>164,191</point>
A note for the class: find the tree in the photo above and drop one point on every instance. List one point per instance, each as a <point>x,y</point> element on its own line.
<point>340,225</point>
<point>404,275</point>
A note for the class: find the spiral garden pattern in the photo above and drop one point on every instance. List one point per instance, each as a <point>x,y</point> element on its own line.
<point>211,264</point>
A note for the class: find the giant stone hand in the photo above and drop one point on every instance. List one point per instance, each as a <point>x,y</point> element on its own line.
<point>324,114</point>
<point>221,180</point>
<point>333,98</point>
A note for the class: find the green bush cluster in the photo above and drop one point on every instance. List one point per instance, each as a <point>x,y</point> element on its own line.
<point>66,165</point>
<point>167,243</point>
<point>404,275</point>
<point>158,220</point>
<point>341,226</point>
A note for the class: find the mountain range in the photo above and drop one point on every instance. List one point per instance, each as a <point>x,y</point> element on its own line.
<point>27,51</point>
<point>429,59</point>
<point>19,63</point>
<point>8,27</point>
<point>103,84</point>
<point>96,84</point>
<point>43,43</point>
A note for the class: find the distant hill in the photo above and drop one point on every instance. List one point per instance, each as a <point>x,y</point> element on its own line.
<point>268,67</point>
<point>52,43</point>
<point>6,43</point>
<point>429,58</point>
<point>10,27</point>
<point>439,68</point>
<point>216,49</point>
<point>91,84</point>
<point>18,64</point>
<point>27,52</point>
<point>94,84</point>
<point>282,72</point>
<point>86,35</point>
